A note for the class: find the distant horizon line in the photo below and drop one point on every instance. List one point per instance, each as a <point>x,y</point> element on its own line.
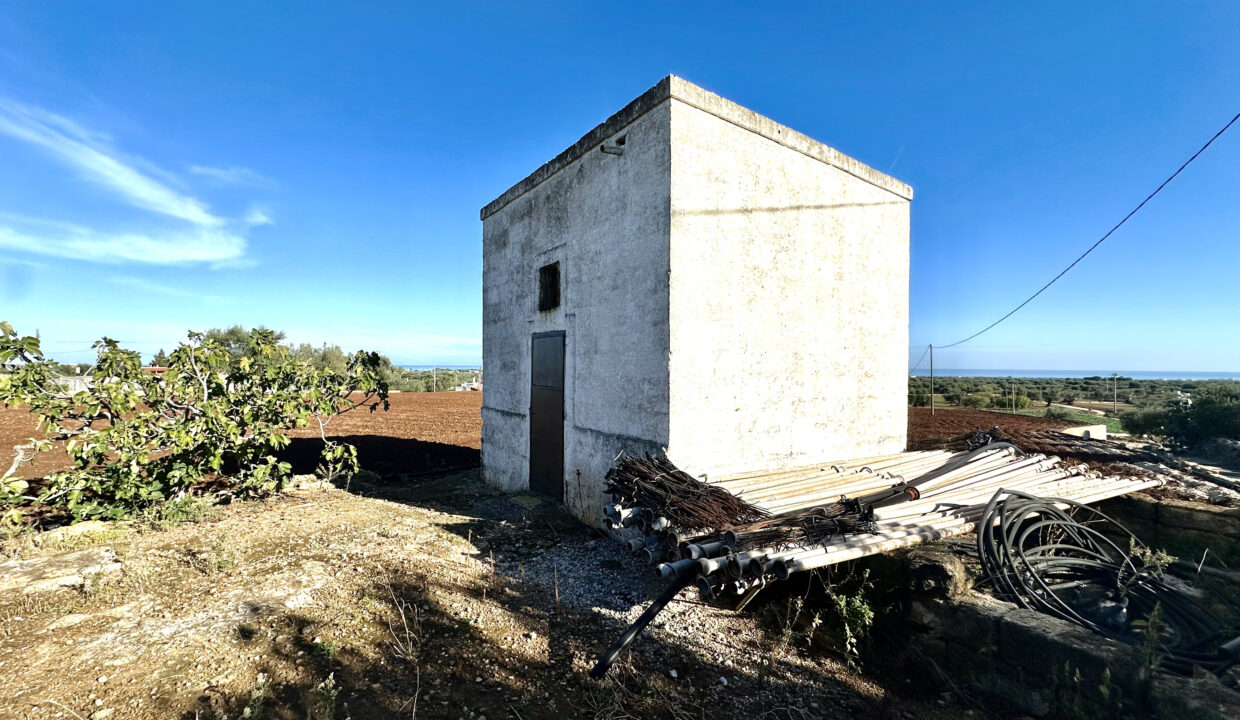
<point>1077,373</point>
<point>1108,372</point>
<point>439,367</point>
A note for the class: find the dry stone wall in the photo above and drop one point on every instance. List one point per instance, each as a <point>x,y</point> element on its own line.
<point>1005,658</point>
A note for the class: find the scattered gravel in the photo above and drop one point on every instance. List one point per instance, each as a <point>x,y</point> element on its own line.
<point>592,575</point>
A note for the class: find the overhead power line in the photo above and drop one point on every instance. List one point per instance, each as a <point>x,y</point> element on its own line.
<point>1100,240</point>
<point>923,357</point>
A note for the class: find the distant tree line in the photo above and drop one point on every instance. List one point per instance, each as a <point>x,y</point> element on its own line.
<point>237,340</point>
<point>1187,412</point>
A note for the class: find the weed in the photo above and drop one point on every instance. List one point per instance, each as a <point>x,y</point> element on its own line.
<point>844,623</point>
<point>176,512</point>
<point>36,604</point>
<point>26,540</point>
<point>326,650</point>
<point>112,532</point>
<point>12,530</point>
<point>792,615</point>
<point>408,639</point>
<point>322,705</point>
<point>1148,559</point>
<point>786,621</point>
<point>258,697</point>
<point>213,561</point>
<point>624,695</point>
<point>1151,628</point>
<point>92,585</point>
<point>853,619</point>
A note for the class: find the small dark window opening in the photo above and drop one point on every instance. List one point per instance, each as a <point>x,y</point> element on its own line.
<point>549,287</point>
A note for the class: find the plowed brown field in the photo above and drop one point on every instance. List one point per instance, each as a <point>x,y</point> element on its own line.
<point>427,432</point>
<point>422,432</point>
<point>955,422</point>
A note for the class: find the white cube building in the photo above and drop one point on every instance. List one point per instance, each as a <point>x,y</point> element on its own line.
<point>691,278</point>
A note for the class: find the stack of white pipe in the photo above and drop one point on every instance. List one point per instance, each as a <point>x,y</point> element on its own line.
<point>948,506</point>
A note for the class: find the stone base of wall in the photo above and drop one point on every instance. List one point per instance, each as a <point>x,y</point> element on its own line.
<point>1184,529</point>
<point>1005,657</point>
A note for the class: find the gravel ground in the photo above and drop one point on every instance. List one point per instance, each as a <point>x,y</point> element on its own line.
<point>291,608</point>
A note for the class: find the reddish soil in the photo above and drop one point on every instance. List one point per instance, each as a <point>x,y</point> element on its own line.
<point>452,418</point>
<point>422,432</point>
<point>17,427</point>
<point>955,422</point>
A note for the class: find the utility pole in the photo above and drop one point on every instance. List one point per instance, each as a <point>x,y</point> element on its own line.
<point>931,379</point>
<point>434,379</point>
<point>1114,393</point>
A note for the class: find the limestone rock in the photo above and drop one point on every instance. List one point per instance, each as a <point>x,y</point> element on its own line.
<point>81,533</point>
<point>304,483</point>
<point>936,572</point>
<point>58,571</point>
<point>1205,698</point>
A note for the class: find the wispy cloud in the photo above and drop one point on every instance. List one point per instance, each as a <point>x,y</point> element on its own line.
<point>22,262</point>
<point>204,238</point>
<point>201,245</point>
<point>88,153</point>
<point>257,216</point>
<point>234,175</point>
<point>161,289</point>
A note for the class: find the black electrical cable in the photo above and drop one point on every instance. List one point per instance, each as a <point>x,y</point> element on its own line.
<point>1103,238</point>
<point>1065,563</point>
<point>918,363</point>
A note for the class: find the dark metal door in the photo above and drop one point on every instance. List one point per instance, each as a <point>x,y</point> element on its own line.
<point>547,414</point>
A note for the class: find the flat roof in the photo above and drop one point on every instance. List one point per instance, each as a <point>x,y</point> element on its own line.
<point>673,87</point>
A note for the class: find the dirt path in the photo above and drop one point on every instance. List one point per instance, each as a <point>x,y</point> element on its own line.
<point>292,608</point>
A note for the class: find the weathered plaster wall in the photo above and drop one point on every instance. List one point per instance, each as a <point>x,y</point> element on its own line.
<point>605,219</point>
<point>733,291</point>
<point>789,295</point>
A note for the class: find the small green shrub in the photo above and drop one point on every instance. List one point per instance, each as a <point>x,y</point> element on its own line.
<point>1059,413</point>
<point>1147,421</point>
<point>1212,412</point>
<point>854,618</point>
<point>976,400</point>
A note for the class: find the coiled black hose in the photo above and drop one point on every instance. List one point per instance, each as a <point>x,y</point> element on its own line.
<point>1060,562</point>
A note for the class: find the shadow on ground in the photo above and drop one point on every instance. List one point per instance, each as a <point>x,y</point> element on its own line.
<point>449,664</point>
<point>389,457</point>
<point>430,641</point>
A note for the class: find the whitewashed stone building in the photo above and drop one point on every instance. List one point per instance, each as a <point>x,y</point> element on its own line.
<point>691,277</point>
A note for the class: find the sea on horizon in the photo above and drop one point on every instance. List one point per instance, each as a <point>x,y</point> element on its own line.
<point>1134,374</point>
<point>439,367</point>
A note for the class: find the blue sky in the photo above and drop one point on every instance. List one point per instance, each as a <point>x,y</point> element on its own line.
<point>318,167</point>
